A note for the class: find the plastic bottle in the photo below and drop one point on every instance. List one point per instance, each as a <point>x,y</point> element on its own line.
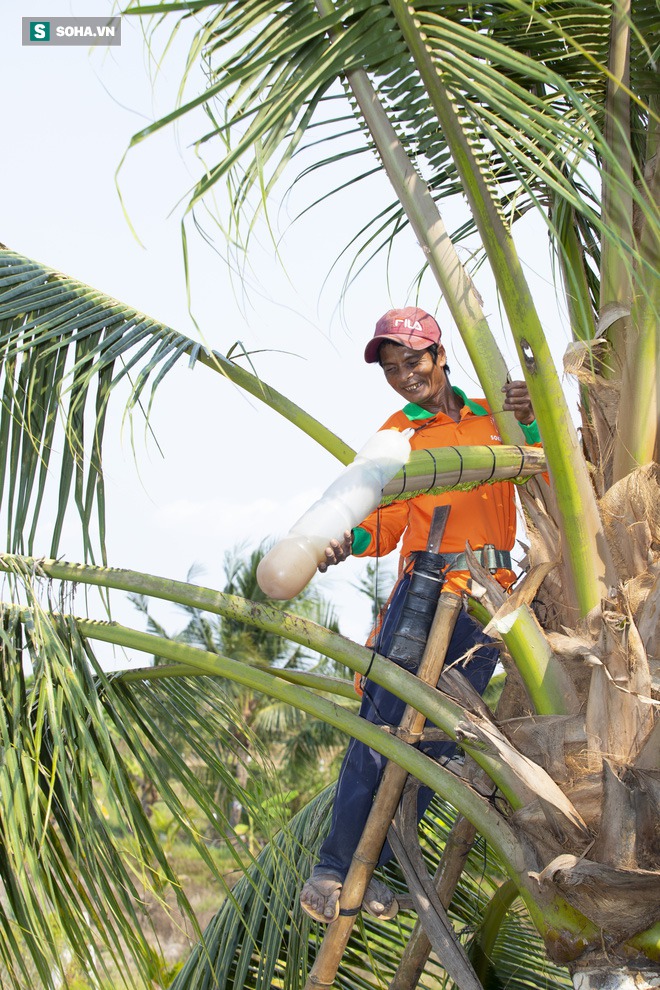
<point>291,564</point>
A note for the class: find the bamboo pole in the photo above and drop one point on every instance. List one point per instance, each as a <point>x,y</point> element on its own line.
<point>441,468</point>
<point>366,855</point>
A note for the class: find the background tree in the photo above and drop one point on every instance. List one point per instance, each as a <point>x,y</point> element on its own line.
<point>301,749</point>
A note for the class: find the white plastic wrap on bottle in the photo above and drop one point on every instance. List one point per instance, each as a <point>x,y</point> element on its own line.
<point>291,564</point>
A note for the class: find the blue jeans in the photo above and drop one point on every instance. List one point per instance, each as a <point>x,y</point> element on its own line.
<point>362,767</point>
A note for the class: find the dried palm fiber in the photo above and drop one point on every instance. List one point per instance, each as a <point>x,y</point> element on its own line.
<point>543,547</point>
<point>648,624</point>
<point>575,652</point>
<point>619,717</point>
<point>549,740</point>
<point>621,902</point>
<point>584,360</point>
<point>631,519</point>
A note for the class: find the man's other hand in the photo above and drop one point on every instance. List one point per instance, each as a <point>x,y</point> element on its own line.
<point>517,401</point>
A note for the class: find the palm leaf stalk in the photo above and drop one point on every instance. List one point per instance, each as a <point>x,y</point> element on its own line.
<point>514,777</point>
<point>441,255</point>
<point>439,708</point>
<point>545,680</point>
<point>491,923</point>
<point>588,567</point>
<point>455,853</point>
<point>321,683</point>
<point>574,273</point>
<point>551,913</point>
<point>629,300</point>
<point>550,689</point>
<point>426,701</point>
<point>548,912</point>
<point>617,202</point>
<point>406,846</point>
<point>637,433</point>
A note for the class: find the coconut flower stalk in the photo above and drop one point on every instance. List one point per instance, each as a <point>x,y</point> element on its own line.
<point>588,567</point>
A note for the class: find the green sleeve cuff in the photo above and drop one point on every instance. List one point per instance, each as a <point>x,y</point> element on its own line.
<point>361,540</point>
<point>531,432</point>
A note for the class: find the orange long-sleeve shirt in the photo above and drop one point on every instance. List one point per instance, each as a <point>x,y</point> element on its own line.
<point>484,515</point>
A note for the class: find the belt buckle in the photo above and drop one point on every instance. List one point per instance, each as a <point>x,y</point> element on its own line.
<point>489,557</point>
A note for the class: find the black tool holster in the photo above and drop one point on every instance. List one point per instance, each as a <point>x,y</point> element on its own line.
<point>418,610</point>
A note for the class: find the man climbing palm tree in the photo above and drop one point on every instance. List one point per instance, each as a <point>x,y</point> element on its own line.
<point>406,344</point>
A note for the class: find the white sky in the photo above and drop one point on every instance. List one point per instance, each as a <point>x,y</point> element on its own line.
<point>230,470</point>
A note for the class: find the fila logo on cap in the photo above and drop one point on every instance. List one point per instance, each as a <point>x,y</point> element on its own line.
<point>409,324</point>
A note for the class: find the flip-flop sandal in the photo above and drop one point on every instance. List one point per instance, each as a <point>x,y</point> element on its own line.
<point>322,887</point>
<point>379,901</point>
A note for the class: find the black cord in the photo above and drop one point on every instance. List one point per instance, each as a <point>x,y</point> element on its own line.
<point>435,469</point>
<point>376,610</point>
<point>460,473</point>
<point>368,670</point>
<point>494,464</point>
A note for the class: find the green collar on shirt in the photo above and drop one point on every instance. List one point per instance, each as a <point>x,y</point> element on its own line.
<point>414,412</point>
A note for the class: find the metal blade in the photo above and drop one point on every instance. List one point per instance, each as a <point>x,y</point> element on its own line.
<point>437,528</point>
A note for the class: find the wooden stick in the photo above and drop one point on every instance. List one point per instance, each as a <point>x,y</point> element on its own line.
<point>405,845</point>
<point>418,947</point>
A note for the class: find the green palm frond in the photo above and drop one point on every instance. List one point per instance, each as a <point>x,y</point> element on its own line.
<point>80,851</point>
<point>262,936</point>
<point>65,348</point>
<point>527,80</point>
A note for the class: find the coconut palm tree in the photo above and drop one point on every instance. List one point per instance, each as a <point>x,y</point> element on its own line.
<point>552,108</point>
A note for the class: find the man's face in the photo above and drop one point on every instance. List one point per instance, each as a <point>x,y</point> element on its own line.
<point>414,375</point>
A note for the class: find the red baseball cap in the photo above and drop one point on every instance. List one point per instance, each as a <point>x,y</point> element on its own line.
<point>410,326</point>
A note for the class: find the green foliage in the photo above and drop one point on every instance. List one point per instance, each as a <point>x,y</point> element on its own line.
<point>262,937</point>
<point>80,849</point>
<point>65,349</point>
<point>530,88</point>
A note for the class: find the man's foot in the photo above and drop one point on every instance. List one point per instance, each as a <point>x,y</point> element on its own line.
<point>380,901</point>
<point>319,898</point>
